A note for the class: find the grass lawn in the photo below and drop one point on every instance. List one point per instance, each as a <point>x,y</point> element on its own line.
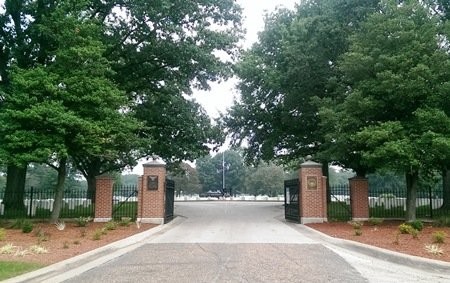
<point>10,269</point>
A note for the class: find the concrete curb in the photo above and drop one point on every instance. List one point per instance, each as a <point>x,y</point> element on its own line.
<point>380,253</point>
<point>71,267</point>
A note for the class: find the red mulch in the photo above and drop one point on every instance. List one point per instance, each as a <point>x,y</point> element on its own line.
<point>386,235</point>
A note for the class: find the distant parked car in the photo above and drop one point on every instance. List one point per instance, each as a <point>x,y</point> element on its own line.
<point>212,194</point>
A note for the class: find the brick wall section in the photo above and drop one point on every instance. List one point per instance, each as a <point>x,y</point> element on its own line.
<point>103,198</point>
<point>313,208</point>
<point>359,196</point>
<point>151,203</point>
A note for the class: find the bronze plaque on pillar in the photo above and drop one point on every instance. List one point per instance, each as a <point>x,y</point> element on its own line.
<point>152,182</point>
<point>311,182</point>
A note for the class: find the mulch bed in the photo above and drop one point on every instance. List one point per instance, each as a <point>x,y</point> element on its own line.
<point>386,235</point>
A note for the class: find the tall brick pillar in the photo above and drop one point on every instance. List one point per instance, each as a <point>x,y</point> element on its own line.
<point>313,198</point>
<point>359,198</point>
<point>151,196</point>
<point>103,198</point>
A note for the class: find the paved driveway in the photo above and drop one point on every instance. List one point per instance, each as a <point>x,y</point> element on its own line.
<point>238,242</point>
<point>227,242</point>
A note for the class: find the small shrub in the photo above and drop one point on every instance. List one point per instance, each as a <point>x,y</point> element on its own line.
<point>416,224</point>
<point>27,227</point>
<point>21,253</point>
<point>60,225</point>
<point>97,235</point>
<point>65,245</point>
<point>17,224</point>
<point>41,235</point>
<point>83,221</point>
<point>37,249</point>
<point>414,233</point>
<point>7,249</point>
<point>2,234</point>
<point>104,231</point>
<point>439,237</point>
<point>358,232</point>
<point>434,249</point>
<point>356,224</point>
<point>125,221</point>
<point>111,225</point>
<point>375,221</point>
<point>405,228</point>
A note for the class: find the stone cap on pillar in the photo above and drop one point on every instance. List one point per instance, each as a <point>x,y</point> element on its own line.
<point>104,177</point>
<point>358,178</point>
<point>154,163</point>
<point>309,163</point>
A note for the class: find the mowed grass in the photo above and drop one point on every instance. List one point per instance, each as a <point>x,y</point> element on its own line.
<point>9,269</point>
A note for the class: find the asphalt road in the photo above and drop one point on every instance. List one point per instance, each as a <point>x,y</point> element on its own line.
<point>242,242</point>
<point>227,242</point>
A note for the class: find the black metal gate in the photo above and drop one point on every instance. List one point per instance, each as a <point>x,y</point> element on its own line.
<point>125,202</point>
<point>170,198</point>
<point>291,200</point>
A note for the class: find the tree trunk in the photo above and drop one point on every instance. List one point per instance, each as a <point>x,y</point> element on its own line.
<point>91,182</point>
<point>446,188</point>
<point>59,190</point>
<point>412,179</point>
<point>15,188</point>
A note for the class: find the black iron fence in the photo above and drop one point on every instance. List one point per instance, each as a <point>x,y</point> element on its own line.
<point>339,208</point>
<point>386,203</point>
<point>391,203</point>
<point>39,203</point>
<point>125,202</point>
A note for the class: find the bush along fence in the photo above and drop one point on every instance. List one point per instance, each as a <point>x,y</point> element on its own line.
<point>385,203</point>
<point>38,204</point>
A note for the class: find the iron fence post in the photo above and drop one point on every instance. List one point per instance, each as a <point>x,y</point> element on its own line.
<point>30,208</point>
<point>431,202</point>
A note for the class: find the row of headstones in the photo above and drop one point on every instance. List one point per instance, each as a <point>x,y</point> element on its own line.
<point>71,203</point>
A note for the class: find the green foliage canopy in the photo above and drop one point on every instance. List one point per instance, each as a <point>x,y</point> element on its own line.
<point>285,73</point>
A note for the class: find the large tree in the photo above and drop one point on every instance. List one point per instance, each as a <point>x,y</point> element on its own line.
<point>69,106</point>
<point>211,172</point>
<point>285,72</point>
<point>442,9</point>
<point>161,50</point>
<point>186,179</point>
<point>23,46</point>
<point>395,79</point>
<point>155,51</point>
<point>266,179</point>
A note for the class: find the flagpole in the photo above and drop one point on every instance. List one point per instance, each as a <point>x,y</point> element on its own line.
<point>223,172</point>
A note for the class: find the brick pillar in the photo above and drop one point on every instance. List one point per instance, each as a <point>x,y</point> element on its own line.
<point>151,196</point>
<point>103,198</point>
<point>313,197</point>
<point>359,198</point>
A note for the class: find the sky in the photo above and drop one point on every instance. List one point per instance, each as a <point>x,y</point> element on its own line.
<point>221,96</point>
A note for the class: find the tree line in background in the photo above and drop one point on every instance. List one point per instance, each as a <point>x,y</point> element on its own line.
<point>364,84</point>
<point>265,179</point>
<point>96,85</point>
